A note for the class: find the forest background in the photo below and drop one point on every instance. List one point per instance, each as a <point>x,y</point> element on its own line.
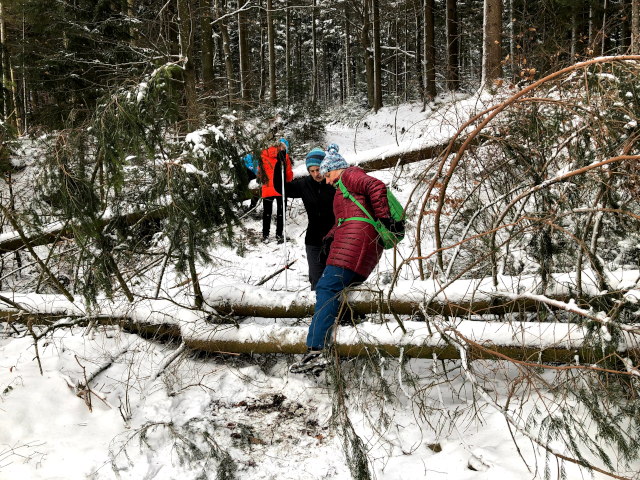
<point>125,123</point>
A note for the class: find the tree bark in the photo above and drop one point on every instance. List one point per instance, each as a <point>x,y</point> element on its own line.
<point>347,53</point>
<point>368,54</point>
<point>245,65</point>
<point>131,13</point>
<point>206,29</point>
<point>377,58</point>
<point>314,57</point>
<point>271,40</point>
<point>8,104</point>
<point>492,35</point>
<point>635,27</point>
<point>429,49</point>
<point>187,35</point>
<point>453,46</point>
<point>226,49</point>
<point>197,291</point>
<point>287,52</point>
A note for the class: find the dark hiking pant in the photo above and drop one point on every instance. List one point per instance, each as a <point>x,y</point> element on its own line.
<point>267,209</point>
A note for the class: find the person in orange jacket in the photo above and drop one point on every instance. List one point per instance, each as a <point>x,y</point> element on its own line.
<point>268,159</point>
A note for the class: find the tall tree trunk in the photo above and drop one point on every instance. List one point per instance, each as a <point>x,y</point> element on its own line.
<point>377,57</point>
<point>347,52</point>
<point>206,28</point>
<point>492,35</point>
<point>512,40</point>
<point>287,50</point>
<point>603,42</point>
<point>8,104</point>
<point>197,291</point>
<point>186,33</point>
<point>429,49</point>
<point>17,105</point>
<point>314,57</point>
<point>635,27</point>
<point>368,55</point>
<point>299,81</point>
<point>131,13</point>
<point>453,46</point>
<point>245,66</point>
<point>396,60</point>
<point>419,29</point>
<point>574,35</point>
<point>271,40</point>
<point>226,49</point>
<point>264,72</point>
<point>405,56</point>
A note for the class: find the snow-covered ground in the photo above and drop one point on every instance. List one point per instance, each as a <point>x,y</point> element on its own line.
<point>155,411</point>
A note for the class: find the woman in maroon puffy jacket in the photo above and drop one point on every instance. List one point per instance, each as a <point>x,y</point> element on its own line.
<point>355,250</point>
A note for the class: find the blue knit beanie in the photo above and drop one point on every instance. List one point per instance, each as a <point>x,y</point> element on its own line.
<point>285,143</point>
<point>332,161</point>
<point>315,157</point>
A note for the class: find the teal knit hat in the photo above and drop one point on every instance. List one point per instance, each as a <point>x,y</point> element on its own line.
<point>315,157</point>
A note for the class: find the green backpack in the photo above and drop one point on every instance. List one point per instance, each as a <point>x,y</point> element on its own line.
<point>388,238</point>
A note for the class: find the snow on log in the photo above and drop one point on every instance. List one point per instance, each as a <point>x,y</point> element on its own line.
<point>11,241</point>
<point>530,341</point>
<point>391,155</point>
<point>460,298</point>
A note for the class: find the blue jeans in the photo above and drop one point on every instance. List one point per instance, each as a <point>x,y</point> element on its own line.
<point>328,298</point>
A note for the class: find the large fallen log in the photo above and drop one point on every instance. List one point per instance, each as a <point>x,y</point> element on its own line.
<point>11,241</point>
<point>528,341</point>
<point>464,298</point>
<point>524,341</point>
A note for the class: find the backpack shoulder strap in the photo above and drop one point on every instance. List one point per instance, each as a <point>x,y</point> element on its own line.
<point>346,194</point>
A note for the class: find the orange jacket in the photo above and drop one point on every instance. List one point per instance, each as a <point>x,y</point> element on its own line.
<point>268,159</point>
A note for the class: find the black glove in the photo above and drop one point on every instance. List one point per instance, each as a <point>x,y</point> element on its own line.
<point>326,247</point>
<point>277,175</point>
<point>394,226</point>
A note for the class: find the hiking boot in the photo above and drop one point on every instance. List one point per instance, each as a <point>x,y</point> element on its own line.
<point>313,362</point>
<point>280,240</point>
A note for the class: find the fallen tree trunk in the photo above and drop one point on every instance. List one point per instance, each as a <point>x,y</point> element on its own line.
<point>464,298</point>
<point>471,299</point>
<point>523,341</point>
<point>372,303</point>
<point>388,157</point>
<point>11,241</point>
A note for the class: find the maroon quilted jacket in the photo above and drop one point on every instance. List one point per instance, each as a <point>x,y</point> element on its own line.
<point>355,244</point>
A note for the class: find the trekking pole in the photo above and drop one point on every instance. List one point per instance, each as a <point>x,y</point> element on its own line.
<point>284,224</point>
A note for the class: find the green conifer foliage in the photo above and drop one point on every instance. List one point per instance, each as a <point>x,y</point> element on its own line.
<point>130,164</point>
